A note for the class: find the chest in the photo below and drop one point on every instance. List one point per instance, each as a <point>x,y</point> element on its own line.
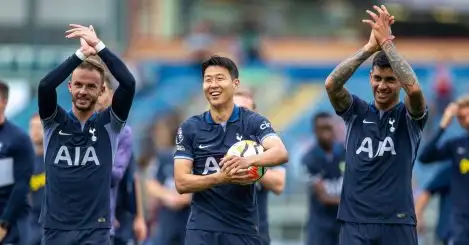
<point>74,145</point>
<point>211,144</point>
<point>6,148</point>
<point>461,158</point>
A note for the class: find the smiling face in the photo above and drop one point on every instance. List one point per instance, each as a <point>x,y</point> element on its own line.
<point>385,86</point>
<point>218,85</point>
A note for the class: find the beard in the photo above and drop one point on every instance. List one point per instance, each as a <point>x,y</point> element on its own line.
<point>85,104</point>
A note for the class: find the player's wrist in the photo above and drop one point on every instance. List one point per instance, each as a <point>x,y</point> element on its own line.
<point>80,54</point>
<point>386,40</point>
<point>99,46</point>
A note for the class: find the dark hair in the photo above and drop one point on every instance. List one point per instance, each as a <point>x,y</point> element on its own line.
<point>94,63</point>
<point>4,90</point>
<point>381,60</point>
<point>224,62</point>
<point>320,115</point>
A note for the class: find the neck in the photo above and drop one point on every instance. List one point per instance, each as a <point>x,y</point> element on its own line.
<point>39,150</point>
<point>2,118</point>
<point>386,107</point>
<point>222,113</point>
<point>82,116</point>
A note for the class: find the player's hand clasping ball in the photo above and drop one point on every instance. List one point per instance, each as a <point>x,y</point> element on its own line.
<point>235,164</point>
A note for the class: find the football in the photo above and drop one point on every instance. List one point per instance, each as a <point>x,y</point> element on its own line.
<point>245,148</point>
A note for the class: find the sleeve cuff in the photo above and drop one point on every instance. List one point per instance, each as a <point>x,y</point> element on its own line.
<point>80,55</point>
<point>100,46</point>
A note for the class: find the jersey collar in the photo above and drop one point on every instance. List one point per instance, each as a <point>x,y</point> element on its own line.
<point>374,109</point>
<point>233,118</point>
<point>75,119</point>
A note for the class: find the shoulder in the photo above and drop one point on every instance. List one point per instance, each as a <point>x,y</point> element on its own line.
<point>18,136</point>
<point>251,116</point>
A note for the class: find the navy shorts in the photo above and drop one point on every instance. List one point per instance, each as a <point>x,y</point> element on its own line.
<point>377,234</point>
<point>460,232</point>
<point>322,236</point>
<point>169,235</point>
<point>76,237</point>
<point>199,237</point>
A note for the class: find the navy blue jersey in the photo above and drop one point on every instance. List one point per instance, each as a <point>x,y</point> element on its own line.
<point>456,150</point>
<point>78,162</point>
<point>329,168</point>
<point>38,181</point>
<point>223,208</point>
<point>165,176</point>
<point>16,167</point>
<point>381,148</point>
<point>262,203</point>
<point>440,185</point>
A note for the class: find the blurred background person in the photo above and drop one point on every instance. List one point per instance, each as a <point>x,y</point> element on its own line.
<point>439,186</point>
<point>324,163</point>
<point>38,179</point>
<point>272,181</point>
<point>293,47</point>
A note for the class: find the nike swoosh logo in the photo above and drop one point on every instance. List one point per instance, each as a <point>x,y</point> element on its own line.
<point>62,133</point>
<point>204,146</point>
<point>367,122</point>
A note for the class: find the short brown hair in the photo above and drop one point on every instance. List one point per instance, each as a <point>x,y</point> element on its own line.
<point>463,101</point>
<point>4,90</point>
<point>94,63</point>
<point>246,93</point>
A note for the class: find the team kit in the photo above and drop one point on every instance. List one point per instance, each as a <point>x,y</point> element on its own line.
<point>226,159</point>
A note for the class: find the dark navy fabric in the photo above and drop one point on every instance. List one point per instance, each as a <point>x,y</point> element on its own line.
<point>381,149</point>
<point>77,237</point>
<point>328,168</point>
<point>224,208</point>
<point>377,234</point>
<point>440,185</point>
<point>78,163</point>
<point>16,168</point>
<point>200,237</point>
<point>174,221</point>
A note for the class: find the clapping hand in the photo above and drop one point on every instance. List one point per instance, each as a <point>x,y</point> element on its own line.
<point>86,33</point>
<point>380,24</point>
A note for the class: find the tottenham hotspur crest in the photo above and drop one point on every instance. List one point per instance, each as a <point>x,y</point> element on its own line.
<point>93,137</point>
<point>239,137</point>
<point>391,122</point>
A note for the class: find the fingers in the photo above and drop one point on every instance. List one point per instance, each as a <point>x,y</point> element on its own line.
<point>229,165</point>
<point>385,10</point>
<point>370,22</point>
<point>373,15</point>
<point>76,26</point>
<point>379,10</point>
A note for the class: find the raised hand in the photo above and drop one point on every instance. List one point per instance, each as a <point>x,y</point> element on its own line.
<point>86,49</point>
<point>448,115</point>
<point>380,23</point>
<point>86,33</point>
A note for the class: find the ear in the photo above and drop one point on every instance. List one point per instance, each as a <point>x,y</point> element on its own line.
<point>69,86</point>
<point>236,83</point>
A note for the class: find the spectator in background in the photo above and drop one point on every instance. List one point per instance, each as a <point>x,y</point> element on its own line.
<point>325,165</point>
<point>439,185</point>
<point>173,208</point>
<point>250,40</point>
<point>199,42</point>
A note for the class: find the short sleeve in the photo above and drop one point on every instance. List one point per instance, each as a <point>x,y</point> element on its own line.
<point>184,141</point>
<point>312,167</point>
<point>262,127</point>
<point>417,123</point>
<point>59,115</point>
<point>440,181</point>
<point>356,107</point>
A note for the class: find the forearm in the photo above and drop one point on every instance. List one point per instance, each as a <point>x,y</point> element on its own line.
<point>168,197</point>
<point>421,203</point>
<point>269,158</point>
<point>338,95</point>
<point>430,152</point>
<point>274,180</point>
<point>138,197</point>
<point>47,96</point>
<point>407,78</point>
<point>124,94</point>
<point>190,183</point>
<point>16,201</point>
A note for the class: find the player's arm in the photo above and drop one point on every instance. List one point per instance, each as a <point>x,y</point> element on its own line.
<point>186,182</point>
<point>432,152</point>
<point>169,198</point>
<point>123,155</point>
<point>139,226</point>
<point>339,96</point>
<point>313,168</point>
<point>47,96</point>
<point>23,160</point>
<point>124,94</point>
<point>414,101</point>
<point>274,180</point>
